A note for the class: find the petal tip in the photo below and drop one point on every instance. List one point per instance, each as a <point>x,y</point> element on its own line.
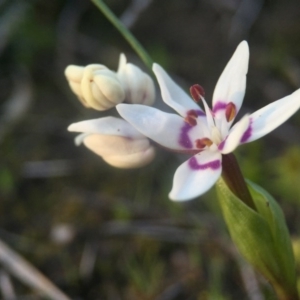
<point>176,198</point>
<point>244,45</point>
<point>122,107</point>
<point>72,127</point>
<point>244,49</point>
<point>156,68</point>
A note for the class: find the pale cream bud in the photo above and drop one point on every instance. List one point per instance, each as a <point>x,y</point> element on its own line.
<point>96,86</point>
<point>116,141</point>
<point>139,87</point>
<point>121,152</point>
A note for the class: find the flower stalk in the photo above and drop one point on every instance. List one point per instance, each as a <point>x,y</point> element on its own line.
<point>138,48</point>
<point>284,294</point>
<point>233,177</point>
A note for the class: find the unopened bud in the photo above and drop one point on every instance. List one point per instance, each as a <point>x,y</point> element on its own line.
<point>121,152</point>
<point>138,86</point>
<point>96,86</point>
<point>116,141</point>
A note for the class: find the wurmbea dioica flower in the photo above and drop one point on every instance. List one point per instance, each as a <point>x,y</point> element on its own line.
<point>207,134</point>
<point>116,141</point>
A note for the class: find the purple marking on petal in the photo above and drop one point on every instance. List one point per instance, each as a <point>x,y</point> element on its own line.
<point>184,139</point>
<point>214,165</point>
<point>219,106</point>
<point>247,134</point>
<point>200,113</point>
<point>221,145</point>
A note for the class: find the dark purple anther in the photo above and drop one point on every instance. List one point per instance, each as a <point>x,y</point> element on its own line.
<point>197,91</point>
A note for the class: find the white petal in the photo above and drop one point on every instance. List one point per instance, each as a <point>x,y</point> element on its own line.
<point>232,82</point>
<point>122,62</point>
<point>235,135</point>
<point>196,176</point>
<point>173,94</point>
<point>106,126</point>
<point>168,130</point>
<point>271,116</point>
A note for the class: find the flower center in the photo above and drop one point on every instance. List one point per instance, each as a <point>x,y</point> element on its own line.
<point>213,127</point>
<point>216,135</point>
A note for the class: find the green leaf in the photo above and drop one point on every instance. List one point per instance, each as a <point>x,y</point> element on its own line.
<point>261,236</point>
<point>272,213</point>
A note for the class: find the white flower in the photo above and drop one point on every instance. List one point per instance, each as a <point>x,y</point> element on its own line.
<point>206,134</point>
<point>96,86</point>
<point>138,86</point>
<point>116,141</point>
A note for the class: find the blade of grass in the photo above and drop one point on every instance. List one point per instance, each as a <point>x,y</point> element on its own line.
<point>135,44</point>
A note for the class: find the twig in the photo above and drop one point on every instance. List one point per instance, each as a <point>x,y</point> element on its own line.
<point>6,286</point>
<point>18,103</point>
<point>29,275</point>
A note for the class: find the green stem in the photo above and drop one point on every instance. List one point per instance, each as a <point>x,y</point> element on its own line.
<point>125,32</point>
<point>234,179</point>
<point>284,294</point>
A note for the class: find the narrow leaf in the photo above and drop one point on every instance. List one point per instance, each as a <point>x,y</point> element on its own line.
<point>261,236</point>
<point>271,212</point>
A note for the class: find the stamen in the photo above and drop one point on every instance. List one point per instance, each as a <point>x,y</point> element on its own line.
<point>202,143</point>
<point>197,91</point>
<point>192,113</point>
<point>191,117</point>
<point>190,120</point>
<point>230,111</point>
<point>209,114</point>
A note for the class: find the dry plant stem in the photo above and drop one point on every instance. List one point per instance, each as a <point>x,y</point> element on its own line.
<point>29,275</point>
<point>139,49</point>
<point>233,177</point>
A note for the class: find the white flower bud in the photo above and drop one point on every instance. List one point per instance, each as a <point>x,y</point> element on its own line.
<point>96,86</point>
<point>119,151</point>
<point>138,86</point>
<point>116,141</point>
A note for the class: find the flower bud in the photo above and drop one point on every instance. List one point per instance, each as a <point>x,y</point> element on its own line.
<point>96,86</point>
<point>139,87</point>
<point>116,141</point>
<point>121,152</point>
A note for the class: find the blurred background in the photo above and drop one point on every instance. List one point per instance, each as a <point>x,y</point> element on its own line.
<point>98,232</point>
